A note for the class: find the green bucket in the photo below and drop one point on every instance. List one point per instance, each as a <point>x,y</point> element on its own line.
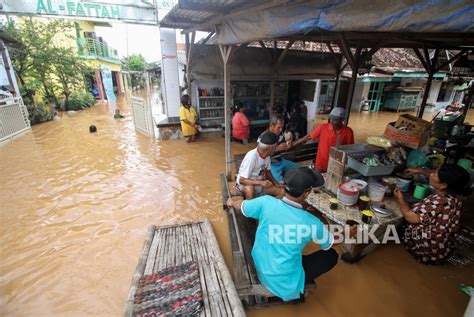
<point>466,164</point>
<point>421,191</point>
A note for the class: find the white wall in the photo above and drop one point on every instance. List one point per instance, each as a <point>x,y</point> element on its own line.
<point>313,105</point>
<point>170,76</point>
<point>434,91</point>
<point>361,92</point>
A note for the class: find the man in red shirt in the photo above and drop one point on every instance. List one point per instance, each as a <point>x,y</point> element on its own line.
<point>328,135</point>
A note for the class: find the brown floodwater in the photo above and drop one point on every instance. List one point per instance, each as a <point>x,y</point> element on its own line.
<point>75,207</point>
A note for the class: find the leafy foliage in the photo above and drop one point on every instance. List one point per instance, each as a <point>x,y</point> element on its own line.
<point>80,101</point>
<point>41,63</point>
<point>135,62</point>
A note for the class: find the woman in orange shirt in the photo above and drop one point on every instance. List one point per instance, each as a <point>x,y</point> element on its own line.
<point>240,125</point>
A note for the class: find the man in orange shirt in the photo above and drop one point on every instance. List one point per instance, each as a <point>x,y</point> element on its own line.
<point>328,135</point>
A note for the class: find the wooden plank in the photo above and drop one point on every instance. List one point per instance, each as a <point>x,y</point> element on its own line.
<point>182,251</point>
<point>210,311</point>
<point>191,241</point>
<point>216,290</point>
<point>139,270</point>
<point>171,259</point>
<point>150,262</point>
<point>226,277</point>
<point>162,263</point>
<point>159,250</point>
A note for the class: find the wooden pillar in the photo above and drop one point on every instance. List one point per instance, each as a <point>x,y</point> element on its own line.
<point>100,87</point>
<point>272,88</point>
<point>119,83</point>
<point>336,86</point>
<point>425,95</point>
<point>7,65</point>
<point>225,52</point>
<point>430,67</point>
<point>466,100</point>
<point>350,93</point>
<point>189,47</point>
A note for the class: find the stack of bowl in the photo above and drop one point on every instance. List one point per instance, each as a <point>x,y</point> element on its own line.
<point>348,193</point>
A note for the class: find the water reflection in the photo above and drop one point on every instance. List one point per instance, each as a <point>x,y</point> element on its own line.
<point>75,208</point>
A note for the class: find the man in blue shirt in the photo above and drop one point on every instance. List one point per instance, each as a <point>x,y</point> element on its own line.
<point>284,229</point>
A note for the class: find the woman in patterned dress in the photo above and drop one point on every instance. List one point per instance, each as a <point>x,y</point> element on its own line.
<point>433,222</point>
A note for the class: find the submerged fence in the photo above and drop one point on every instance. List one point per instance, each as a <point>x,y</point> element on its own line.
<point>13,118</point>
<point>142,116</point>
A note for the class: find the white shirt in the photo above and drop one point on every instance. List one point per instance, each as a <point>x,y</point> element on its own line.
<point>252,166</point>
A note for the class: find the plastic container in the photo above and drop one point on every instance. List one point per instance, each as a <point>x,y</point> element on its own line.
<point>466,164</point>
<point>403,182</point>
<point>348,194</point>
<point>421,191</point>
<point>368,170</point>
<point>376,192</point>
<point>361,185</point>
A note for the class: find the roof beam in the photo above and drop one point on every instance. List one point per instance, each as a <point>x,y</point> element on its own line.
<point>346,50</point>
<point>208,37</point>
<point>422,59</point>
<point>451,60</point>
<point>283,54</point>
<point>267,50</point>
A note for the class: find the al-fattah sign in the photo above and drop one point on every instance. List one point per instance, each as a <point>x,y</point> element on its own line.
<point>80,9</point>
<point>126,10</point>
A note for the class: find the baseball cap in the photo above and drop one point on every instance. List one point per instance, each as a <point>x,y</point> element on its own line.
<point>268,138</point>
<point>299,180</point>
<point>337,113</point>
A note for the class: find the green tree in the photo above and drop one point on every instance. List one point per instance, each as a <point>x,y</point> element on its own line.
<point>41,63</point>
<point>135,62</point>
<point>69,72</point>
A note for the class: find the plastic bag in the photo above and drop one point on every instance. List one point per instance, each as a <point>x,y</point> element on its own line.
<point>379,141</point>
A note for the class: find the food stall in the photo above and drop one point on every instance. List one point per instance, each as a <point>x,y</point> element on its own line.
<point>361,178</point>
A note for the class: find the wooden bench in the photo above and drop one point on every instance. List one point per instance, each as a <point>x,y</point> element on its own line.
<point>242,236</point>
<point>169,246</point>
<point>300,153</point>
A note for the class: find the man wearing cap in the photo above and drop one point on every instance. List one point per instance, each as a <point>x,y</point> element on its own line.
<point>284,229</point>
<point>328,135</point>
<point>255,167</point>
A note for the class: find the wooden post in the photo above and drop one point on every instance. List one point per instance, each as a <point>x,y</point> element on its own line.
<point>350,93</point>
<point>272,88</point>
<point>276,64</point>
<point>338,75</point>
<point>6,63</point>
<point>425,95</point>
<point>466,100</point>
<point>225,52</point>
<point>189,47</point>
<point>430,64</point>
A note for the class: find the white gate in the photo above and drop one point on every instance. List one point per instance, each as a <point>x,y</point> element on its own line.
<point>142,116</point>
<point>13,118</point>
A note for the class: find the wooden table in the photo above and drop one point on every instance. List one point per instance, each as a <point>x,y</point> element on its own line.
<point>354,252</point>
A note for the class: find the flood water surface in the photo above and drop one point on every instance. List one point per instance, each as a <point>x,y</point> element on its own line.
<point>75,207</point>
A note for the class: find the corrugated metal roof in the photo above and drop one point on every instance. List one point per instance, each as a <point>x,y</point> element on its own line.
<point>188,13</point>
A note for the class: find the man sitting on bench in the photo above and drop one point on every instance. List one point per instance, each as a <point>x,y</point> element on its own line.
<point>279,165</point>
<point>254,176</point>
<point>279,241</point>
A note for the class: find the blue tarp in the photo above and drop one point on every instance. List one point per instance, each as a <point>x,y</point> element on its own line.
<point>435,16</point>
